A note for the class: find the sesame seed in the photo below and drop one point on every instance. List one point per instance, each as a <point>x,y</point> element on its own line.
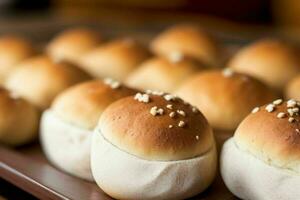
<point>291,119</point>
<point>170,106</point>
<point>297,130</point>
<point>291,103</point>
<point>197,137</point>
<point>295,110</point>
<point>278,102</point>
<point>170,126</point>
<point>169,97</point>
<point>181,124</point>
<point>255,110</point>
<point>148,91</point>
<point>195,110</point>
<point>112,83</point>
<point>172,114</point>
<point>227,72</point>
<point>153,110</point>
<point>160,111</point>
<point>281,115</point>
<point>270,108</point>
<point>158,93</point>
<point>181,112</point>
<point>145,98</point>
<point>175,56</point>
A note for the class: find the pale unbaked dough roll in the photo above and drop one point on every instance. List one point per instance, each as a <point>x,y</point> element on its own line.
<point>66,127</point>
<point>262,160</point>
<point>142,150</point>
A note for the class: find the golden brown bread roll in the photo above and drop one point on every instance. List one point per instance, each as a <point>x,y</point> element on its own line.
<point>166,145</point>
<point>66,127</point>
<point>292,90</point>
<point>262,160</point>
<point>18,119</point>
<point>13,49</point>
<point>72,44</point>
<point>225,97</point>
<point>190,41</point>
<point>39,80</point>
<point>162,74</point>
<point>272,61</point>
<point>115,59</point>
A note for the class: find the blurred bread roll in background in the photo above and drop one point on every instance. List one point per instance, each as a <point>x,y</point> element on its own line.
<point>271,61</point>
<point>13,50</point>
<point>39,80</point>
<point>262,160</point>
<point>190,41</point>
<point>19,120</point>
<point>163,74</point>
<point>115,59</point>
<point>73,43</point>
<point>225,97</point>
<point>66,127</point>
<point>162,143</point>
<point>292,90</point>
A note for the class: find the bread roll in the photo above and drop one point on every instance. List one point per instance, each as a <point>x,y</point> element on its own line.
<point>72,44</point>
<point>262,160</point>
<point>162,74</point>
<point>66,127</point>
<point>225,97</point>
<point>18,119</point>
<point>190,41</point>
<point>13,50</point>
<point>272,61</point>
<point>39,80</point>
<point>292,90</point>
<point>115,59</point>
<point>162,143</point>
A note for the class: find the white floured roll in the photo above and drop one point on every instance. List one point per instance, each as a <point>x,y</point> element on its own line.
<point>126,176</point>
<point>250,178</point>
<point>66,146</point>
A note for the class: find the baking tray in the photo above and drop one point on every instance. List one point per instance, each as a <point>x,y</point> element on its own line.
<point>27,168</point>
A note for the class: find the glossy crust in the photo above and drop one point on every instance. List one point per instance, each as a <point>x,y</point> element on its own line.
<point>225,100</point>
<point>292,90</point>
<point>82,104</point>
<point>115,59</point>
<point>274,140</point>
<point>71,44</point>
<point>162,74</point>
<point>39,80</point>
<point>18,119</point>
<point>189,40</point>
<point>129,125</point>
<point>13,49</point>
<point>271,61</point>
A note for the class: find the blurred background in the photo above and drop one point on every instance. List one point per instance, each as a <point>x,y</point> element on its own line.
<point>233,19</point>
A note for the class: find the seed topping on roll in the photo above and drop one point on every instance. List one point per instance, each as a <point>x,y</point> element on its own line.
<point>112,83</point>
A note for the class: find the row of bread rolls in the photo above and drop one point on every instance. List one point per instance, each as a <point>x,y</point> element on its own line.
<point>179,142</point>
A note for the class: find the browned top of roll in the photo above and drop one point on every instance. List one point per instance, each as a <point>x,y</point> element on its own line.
<point>39,80</point>
<point>156,127</point>
<point>225,97</point>
<point>189,40</point>
<point>272,133</point>
<point>83,104</point>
